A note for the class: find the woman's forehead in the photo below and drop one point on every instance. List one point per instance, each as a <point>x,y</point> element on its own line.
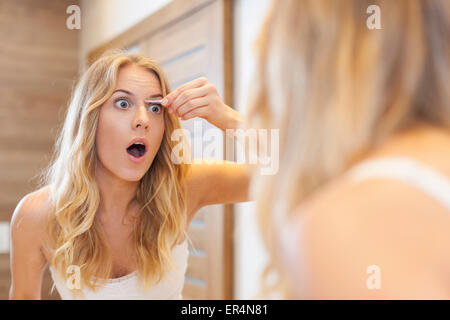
<point>133,77</point>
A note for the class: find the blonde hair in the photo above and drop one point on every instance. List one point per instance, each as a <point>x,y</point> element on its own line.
<point>75,236</point>
<point>336,89</point>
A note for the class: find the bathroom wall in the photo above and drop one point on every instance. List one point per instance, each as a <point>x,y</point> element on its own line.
<point>39,64</point>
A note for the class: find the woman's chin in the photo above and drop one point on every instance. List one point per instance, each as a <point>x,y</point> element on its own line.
<point>133,176</point>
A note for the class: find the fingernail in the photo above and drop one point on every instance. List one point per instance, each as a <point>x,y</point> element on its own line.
<point>164,102</point>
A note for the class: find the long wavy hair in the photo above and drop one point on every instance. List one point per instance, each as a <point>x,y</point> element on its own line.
<point>336,89</point>
<point>75,235</point>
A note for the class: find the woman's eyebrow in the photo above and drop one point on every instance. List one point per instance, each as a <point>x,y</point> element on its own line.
<point>157,95</point>
<point>124,91</point>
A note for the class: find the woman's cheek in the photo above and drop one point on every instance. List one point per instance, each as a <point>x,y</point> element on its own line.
<point>104,151</point>
<point>107,140</point>
<point>156,139</point>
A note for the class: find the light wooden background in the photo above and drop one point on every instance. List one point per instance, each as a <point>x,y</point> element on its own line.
<point>39,64</point>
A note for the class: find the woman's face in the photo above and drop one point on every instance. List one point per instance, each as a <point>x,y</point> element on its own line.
<point>125,117</point>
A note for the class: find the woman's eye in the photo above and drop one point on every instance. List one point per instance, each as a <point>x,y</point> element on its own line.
<point>155,108</point>
<point>122,103</point>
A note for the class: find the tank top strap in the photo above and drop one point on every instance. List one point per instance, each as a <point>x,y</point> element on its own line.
<point>407,170</point>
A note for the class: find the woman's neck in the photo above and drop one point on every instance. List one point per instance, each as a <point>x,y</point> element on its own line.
<point>117,196</point>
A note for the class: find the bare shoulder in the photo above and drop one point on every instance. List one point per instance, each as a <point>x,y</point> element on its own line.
<point>33,206</point>
<point>30,216</point>
<point>28,259</point>
<point>348,228</point>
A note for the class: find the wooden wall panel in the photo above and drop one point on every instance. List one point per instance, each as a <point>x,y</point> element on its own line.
<point>39,63</point>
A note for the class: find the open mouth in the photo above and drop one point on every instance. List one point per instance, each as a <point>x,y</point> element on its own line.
<point>137,150</point>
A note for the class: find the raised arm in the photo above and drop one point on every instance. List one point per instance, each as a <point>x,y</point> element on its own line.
<point>210,181</point>
<point>27,260</point>
<point>217,183</point>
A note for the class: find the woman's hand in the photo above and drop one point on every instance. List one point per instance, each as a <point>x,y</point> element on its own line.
<point>199,98</point>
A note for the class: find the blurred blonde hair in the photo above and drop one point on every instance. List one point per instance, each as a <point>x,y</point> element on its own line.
<point>75,236</point>
<point>336,89</point>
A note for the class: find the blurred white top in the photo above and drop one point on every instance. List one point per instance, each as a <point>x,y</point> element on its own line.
<point>126,287</point>
<point>427,179</point>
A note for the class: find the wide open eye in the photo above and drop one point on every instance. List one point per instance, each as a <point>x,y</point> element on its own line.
<point>155,108</point>
<point>122,103</point>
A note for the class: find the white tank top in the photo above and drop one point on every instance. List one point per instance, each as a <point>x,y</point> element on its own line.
<point>126,287</point>
<point>422,177</point>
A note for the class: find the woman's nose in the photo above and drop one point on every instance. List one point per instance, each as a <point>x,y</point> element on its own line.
<point>141,118</point>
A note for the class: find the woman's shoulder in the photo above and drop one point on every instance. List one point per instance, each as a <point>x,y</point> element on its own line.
<point>380,186</point>
<point>31,212</point>
<point>36,201</point>
<point>382,199</point>
<point>349,225</point>
<point>350,228</point>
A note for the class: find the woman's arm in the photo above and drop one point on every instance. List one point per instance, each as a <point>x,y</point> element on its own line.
<point>217,183</point>
<point>210,181</point>
<point>27,260</point>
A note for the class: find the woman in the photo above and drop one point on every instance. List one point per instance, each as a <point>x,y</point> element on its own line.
<point>360,207</point>
<point>112,214</point>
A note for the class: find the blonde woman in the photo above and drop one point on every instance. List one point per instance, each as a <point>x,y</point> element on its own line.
<point>111,217</point>
<point>360,208</point>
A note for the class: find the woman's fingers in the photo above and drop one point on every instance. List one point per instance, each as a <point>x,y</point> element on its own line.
<point>188,95</point>
<point>198,98</point>
<point>197,112</point>
<point>192,104</point>
<point>196,83</point>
